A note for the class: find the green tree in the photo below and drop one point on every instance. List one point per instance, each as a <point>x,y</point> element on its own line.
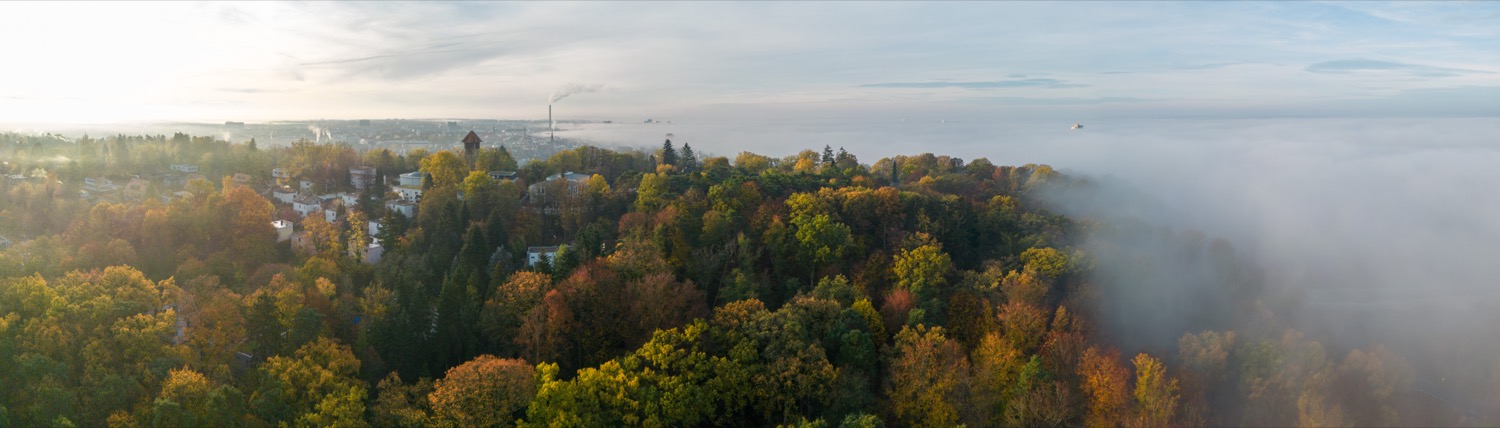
<point>823,241</point>
<point>1045,261</point>
<point>668,154</point>
<point>922,270</point>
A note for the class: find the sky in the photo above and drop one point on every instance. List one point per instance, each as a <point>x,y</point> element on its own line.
<point>76,62</point>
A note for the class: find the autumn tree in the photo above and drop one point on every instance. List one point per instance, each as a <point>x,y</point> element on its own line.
<point>447,169</point>
<point>318,386</point>
<point>928,378</point>
<point>188,398</point>
<point>484,392</point>
<point>1105,383</point>
<point>1155,394</point>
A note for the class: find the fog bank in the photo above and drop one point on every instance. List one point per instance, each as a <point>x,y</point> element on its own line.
<point>1365,230</point>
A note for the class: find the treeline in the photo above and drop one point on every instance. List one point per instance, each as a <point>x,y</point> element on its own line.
<point>810,290</point>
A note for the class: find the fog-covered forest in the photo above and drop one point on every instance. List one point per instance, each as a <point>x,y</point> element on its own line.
<point>143,283</point>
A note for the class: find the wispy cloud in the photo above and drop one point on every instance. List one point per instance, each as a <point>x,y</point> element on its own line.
<point>390,59</point>
<point>1367,65</point>
<point>995,84</point>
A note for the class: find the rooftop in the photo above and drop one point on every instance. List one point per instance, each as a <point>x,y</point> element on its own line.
<point>472,138</point>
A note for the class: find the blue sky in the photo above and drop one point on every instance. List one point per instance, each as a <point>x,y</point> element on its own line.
<point>101,62</point>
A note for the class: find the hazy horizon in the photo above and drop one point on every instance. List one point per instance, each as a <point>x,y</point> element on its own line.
<point>284,61</point>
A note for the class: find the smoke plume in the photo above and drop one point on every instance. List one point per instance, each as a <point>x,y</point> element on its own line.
<point>574,88</point>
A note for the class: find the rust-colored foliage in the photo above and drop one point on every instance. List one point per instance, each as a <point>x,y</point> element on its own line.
<point>1105,383</point>
<point>484,392</point>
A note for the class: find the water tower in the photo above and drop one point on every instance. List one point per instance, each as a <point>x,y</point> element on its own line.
<point>471,147</point>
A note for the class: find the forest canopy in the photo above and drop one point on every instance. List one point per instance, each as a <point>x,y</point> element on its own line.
<point>610,287</point>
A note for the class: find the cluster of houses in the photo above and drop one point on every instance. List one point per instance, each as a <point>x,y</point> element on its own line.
<point>171,182</point>
<point>299,193</point>
<point>333,207</point>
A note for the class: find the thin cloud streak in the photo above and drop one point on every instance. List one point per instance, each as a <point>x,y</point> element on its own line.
<point>1018,83</point>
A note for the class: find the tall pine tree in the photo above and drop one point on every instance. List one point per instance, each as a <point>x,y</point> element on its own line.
<point>689,160</point>
<point>668,154</point>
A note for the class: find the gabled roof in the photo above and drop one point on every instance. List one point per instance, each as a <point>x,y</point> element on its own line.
<point>472,138</point>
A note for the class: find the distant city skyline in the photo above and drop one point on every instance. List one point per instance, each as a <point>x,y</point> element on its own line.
<point>210,62</point>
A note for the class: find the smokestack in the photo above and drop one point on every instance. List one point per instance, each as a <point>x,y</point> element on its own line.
<point>551,126</point>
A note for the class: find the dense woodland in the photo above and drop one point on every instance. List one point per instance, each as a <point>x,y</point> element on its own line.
<point>809,290</point>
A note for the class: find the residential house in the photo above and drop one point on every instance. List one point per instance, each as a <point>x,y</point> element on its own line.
<point>573,181</point>
<point>370,254</point>
<point>184,167</point>
<point>98,184</point>
<point>284,230</point>
<point>242,179</point>
<point>409,193</point>
<point>284,194</point>
<point>331,210</point>
<point>502,176</point>
<point>136,189</point>
<point>362,177</point>
<point>535,255</point>
<point>374,230</point>
<point>405,207</point>
<point>306,205</point>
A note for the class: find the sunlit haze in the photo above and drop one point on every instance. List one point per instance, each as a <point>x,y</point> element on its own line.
<point>255,61</point>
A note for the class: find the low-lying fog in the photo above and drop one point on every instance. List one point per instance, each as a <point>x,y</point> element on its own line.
<point>1383,229</point>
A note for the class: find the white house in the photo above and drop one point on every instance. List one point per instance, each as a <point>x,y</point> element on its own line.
<point>535,255</point>
<point>283,230</point>
<point>306,185</point>
<point>98,184</point>
<point>405,207</point>
<point>184,167</point>
<point>284,194</point>
<point>361,176</point>
<point>374,230</point>
<point>280,173</point>
<point>412,194</point>
<point>574,182</point>
<point>372,253</point>
<point>306,205</point>
<point>331,213</point>
<point>349,198</point>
